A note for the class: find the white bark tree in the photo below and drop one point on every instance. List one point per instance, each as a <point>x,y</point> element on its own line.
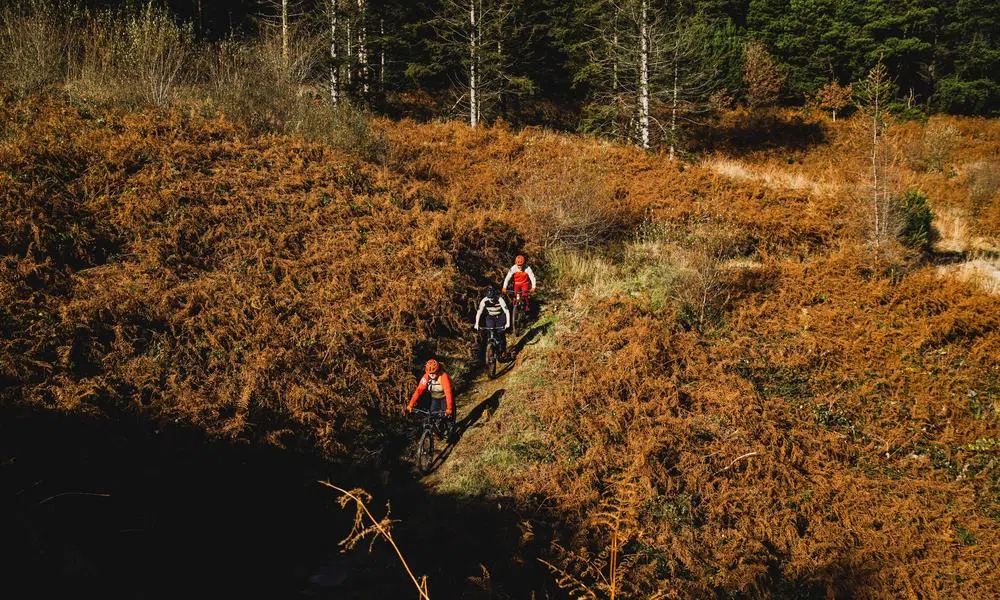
<point>872,95</point>
<point>693,71</point>
<point>286,18</point>
<point>474,83</point>
<point>333,16</point>
<point>364,71</point>
<point>476,33</point>
<point>644,50</point>
<point>651,73</point>
<point>623,65</point>
<point>284,31</point>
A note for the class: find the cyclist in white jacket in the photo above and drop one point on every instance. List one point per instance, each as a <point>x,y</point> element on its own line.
<point>492,314</point>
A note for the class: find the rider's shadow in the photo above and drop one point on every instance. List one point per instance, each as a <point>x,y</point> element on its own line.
<point>486,407</point>
<point>530,337</point>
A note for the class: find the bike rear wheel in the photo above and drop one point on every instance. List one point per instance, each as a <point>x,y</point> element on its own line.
<point>425,451</point>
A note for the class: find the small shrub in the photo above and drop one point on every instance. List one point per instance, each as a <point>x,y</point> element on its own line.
<point>833,97</point>
<point>983,181</point>
<point>917,217</point>
<point>156,50</point>
<point>573,208</point>
<point>937,145</point>
<point>33,42</point>
<point>132,56</point>
<point>352,131</point>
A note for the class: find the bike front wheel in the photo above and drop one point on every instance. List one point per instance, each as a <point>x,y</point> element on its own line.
<point>491,361</point>
<point>425,451</point>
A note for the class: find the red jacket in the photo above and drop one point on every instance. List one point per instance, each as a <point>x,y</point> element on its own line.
<point>422,386</point>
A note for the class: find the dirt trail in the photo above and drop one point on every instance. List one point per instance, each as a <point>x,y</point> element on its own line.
<point>478,400</point>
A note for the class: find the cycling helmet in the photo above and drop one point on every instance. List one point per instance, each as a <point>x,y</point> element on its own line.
<point>432,366</point>
<point>519,261</point>
<point>491,293</point>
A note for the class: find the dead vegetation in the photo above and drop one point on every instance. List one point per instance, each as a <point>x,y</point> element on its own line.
<point>738,399</point>
<point>793,415</point>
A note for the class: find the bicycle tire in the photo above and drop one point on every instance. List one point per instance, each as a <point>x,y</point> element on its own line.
<point>516,318</point>
<point>491,359</point>
<point>425,451</point>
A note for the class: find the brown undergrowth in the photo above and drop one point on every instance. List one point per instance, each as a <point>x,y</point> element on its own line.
<point>827,428</point>
<point>830,439</point>
<point>734,399</point>
<point>257,286</point>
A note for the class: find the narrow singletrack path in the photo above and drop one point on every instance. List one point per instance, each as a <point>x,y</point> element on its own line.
<point>477,402</point>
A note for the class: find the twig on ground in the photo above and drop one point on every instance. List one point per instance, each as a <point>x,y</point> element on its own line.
<point>735,460</point>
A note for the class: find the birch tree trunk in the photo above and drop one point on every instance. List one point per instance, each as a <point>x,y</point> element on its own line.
<point>284,32</point>
<point>334,66</point>
<point>350,54</point>
<point>673,106</point>
<point>473,57</point>
<point>644,75</point>
<point>381,58</point>
<point>363,46</point>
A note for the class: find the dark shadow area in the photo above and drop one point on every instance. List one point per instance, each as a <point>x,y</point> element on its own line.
<point>490,404</point>
<point>955,257</point>
<point>123,508</point>
<point>843,577</point>
<point>756,133</point>
<point>529,337</point>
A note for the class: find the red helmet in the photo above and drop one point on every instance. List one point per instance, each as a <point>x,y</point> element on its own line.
<point>432,366</point>
<point>519,261</point>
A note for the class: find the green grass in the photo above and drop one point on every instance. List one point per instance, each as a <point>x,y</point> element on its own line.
<point>496,451</point>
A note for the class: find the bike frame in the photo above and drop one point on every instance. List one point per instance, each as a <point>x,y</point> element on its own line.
<point>431,419</point>
<point>493,339</point>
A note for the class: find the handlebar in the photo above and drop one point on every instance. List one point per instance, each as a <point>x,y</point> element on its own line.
<point>420,411</point>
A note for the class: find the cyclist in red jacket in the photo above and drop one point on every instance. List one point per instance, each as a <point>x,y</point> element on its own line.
<point>524,279</point>
<point>437,383</point>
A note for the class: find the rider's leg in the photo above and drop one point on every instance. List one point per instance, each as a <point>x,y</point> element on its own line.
<point>438,405</point>
<point>525,290</point>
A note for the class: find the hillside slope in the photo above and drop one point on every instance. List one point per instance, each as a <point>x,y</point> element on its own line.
<point>726,385</point>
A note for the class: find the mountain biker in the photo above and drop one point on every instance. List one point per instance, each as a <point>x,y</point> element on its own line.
<point>522,276</point>
<point>437,383</point>
<point>496,317</point>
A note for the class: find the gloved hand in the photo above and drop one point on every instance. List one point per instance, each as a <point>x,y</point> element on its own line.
<point>407,410</point>
<point>477,327</point>
<point>447,413</point>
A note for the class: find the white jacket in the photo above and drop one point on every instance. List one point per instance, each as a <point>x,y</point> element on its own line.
<point>515,269</point>
<point>493,311</point>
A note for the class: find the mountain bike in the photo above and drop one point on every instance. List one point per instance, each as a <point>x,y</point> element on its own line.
<point>492,350</point>
<point>519,312</point>
<point>433,425</point>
